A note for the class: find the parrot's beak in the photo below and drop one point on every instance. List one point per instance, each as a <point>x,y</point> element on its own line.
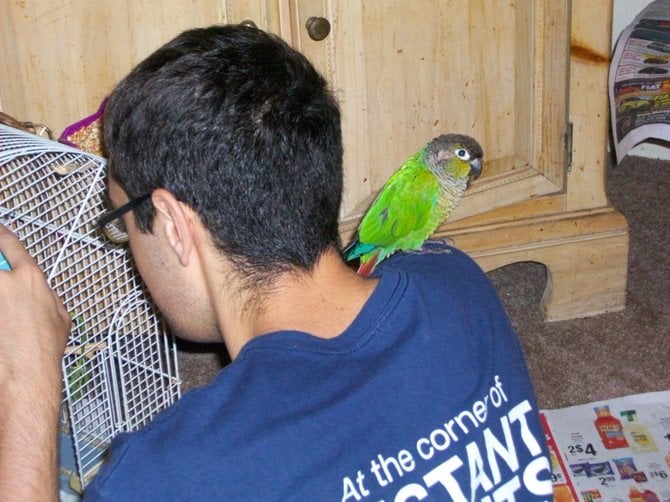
<point>475,168</point>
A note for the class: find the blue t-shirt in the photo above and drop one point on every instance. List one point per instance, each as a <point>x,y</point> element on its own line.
<point>426,396</point>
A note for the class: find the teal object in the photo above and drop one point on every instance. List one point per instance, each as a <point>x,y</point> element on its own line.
<point>4,265</point>
<point>419,196</point>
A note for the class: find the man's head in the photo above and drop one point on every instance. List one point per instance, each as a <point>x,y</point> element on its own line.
<point>241,128</point>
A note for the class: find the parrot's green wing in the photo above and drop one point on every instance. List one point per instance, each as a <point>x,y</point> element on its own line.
<point>402,214</point>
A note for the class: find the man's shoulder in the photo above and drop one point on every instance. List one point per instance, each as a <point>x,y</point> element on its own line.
<point>435,259</point>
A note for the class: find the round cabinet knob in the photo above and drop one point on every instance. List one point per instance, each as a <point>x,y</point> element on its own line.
<point>318,28</point>
<point>248,22</point>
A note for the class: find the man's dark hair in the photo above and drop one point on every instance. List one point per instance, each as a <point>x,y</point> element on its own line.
<point>242,128</point>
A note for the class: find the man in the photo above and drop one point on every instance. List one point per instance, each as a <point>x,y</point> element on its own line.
<point>225,167</point>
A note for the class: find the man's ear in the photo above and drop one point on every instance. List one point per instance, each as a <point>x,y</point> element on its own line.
<point>174,220</point>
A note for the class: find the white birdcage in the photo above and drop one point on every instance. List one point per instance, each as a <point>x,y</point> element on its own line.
<point>120,366</point>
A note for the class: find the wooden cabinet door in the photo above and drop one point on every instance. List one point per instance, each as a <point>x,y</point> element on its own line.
<point>264,14</point>
<point>405,72</point>
<point>60,58</point>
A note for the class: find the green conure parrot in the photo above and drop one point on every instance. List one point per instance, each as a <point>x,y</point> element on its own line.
<point>415,200</point>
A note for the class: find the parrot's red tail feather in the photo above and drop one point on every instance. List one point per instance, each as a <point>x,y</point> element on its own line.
<point>366,267</point>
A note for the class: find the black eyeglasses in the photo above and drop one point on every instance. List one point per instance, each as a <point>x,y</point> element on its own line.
<point>111,223</point>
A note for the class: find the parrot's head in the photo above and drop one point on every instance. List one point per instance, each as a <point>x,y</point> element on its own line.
<point>454,155</point>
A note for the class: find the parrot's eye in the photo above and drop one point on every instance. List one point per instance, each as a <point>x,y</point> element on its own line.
<point>463,154</point>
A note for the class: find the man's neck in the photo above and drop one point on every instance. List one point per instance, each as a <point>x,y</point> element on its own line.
<point>322,303</point>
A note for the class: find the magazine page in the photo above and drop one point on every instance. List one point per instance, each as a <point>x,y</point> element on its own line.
<point>614,450</point>
<point>639,80</point>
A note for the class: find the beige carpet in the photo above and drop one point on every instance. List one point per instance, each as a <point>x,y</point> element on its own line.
<point>615,354</point>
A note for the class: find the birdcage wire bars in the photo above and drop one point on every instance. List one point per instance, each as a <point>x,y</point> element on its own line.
<point>120,366</point>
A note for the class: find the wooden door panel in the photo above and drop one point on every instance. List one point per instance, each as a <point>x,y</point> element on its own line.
<point>405,72</point>
<point>264,14</point>
<point>60,58</point>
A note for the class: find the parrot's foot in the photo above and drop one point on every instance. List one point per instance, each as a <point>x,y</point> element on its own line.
<point>434,246</point>
<point>446,241</point>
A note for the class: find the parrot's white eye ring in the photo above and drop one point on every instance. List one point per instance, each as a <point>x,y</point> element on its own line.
<point>463,154</point>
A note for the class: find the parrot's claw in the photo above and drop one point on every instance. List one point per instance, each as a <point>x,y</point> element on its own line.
<point>434,246</point>
<point>447,240</point>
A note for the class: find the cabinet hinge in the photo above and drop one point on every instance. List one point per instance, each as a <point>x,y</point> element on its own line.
<point>567,145</point>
